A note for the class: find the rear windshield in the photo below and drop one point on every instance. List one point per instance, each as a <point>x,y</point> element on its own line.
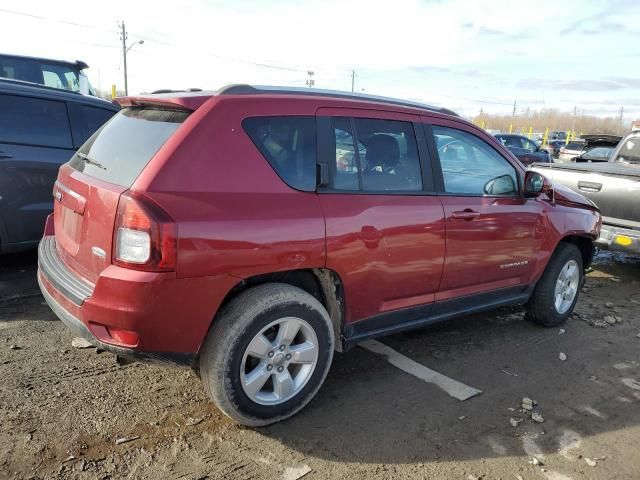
<point>120,150</point>
<point>575,146</point>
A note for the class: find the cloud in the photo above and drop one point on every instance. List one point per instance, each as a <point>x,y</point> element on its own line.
<point>489,31</point>
<point>586,85</point>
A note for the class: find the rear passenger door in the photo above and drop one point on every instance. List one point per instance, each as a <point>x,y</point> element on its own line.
<point>384,224</point>
<point>493,231</point>
<point>35,139</point>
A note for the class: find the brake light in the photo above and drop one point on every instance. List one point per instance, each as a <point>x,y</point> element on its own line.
<point>145,236</point>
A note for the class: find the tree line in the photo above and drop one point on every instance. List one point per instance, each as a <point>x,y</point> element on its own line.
<point>553,119</point>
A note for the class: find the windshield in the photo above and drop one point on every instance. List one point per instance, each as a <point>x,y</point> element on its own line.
<point>629,153</point>
<point>119,151</point>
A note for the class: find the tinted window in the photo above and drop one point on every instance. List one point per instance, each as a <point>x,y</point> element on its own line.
<point>58,76</point>
<point>34,121</point>
<point>120,150</point>
<point>629,153</point>
<point>17,68</point>
<point>510,141</point>
<point>528,145</point>
<point>289,145</point>
<point>85,120</point>
<point>471,166</point>
<point>381,155</point>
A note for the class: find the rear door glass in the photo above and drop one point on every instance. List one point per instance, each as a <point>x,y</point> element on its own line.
<point>85,120</point>
<point>119,151</point>
<point>34,121</point>
<point>385,160</point>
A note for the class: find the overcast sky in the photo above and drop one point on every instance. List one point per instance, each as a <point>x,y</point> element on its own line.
<point>462,54</point>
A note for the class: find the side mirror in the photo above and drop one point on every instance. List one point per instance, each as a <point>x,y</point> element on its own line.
<point>536,184</point>
<point>502,185</point>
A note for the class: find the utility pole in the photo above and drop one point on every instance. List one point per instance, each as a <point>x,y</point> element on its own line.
<point>353,81</point>
<point>621,117</point>
<point>310,82</point>
<point>514,110</point>
<point>573,122</point>
<point>123,37</point>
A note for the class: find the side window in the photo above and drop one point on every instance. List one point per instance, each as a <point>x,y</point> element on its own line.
<point>18,68</point>
<point>58,76</point>
<point>346,174</point>
<point>85,120</point>
<point>471,166</point>
<point>289,145</point>
<point>34,121</point>
<point>51,79</point>
<point>511,142</point>
<point>528,145</point>
<point>375,156</point>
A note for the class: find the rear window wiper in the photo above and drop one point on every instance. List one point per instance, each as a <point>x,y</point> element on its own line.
<point>87,159</point>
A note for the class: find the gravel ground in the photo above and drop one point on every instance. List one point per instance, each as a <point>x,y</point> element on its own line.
<point>75,414</point>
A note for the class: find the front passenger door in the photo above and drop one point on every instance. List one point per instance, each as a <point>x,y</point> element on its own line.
<point>491,233</point>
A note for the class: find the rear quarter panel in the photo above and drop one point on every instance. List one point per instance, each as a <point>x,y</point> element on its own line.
<point>235,215</point>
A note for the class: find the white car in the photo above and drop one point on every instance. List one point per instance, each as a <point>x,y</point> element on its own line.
<point>571,150</point>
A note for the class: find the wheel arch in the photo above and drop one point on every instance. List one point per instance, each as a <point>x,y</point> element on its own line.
<point>323,284</point>
<point>584,243</point>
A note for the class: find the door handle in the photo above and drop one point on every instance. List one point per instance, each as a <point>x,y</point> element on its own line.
<point>466,214</point>
<point>5,155</point>
<point>590,186</point>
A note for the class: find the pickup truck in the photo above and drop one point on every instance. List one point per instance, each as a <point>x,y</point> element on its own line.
<point>614,186</point>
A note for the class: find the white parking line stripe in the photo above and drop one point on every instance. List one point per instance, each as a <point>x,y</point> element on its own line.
<point>454,388</point>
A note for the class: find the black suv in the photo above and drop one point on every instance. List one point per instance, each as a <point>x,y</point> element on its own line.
<point>40,128</point>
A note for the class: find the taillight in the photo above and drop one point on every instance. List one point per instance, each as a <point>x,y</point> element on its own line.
<point>145,236</point>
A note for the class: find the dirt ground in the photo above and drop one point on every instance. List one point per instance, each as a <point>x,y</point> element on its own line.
<point>76,414</point>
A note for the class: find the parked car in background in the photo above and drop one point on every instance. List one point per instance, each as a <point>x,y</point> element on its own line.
<point>40,129</point>
<point>571,150</point>
<point>614,186</point>
<point>162,247</point>
<point>576,148</point>
<point>45,71</point>
<point>557,135</point>
<point>553,147</point>
<point>527,151</point>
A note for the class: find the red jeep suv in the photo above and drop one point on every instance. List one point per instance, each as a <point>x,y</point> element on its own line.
<point>252,231</point>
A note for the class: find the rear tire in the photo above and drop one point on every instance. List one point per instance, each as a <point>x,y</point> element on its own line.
<point>267,354</point>
<point>557,292</point>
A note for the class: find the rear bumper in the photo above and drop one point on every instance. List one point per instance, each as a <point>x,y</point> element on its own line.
<point>153,316</point>
<point>80,329</point>
<point>619,239</point>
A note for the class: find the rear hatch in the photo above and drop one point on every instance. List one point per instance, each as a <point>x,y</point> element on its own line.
<point>89,186</point>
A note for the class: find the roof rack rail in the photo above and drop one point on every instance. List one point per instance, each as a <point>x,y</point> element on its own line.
<point>245,89</point>
<point>168,90</point>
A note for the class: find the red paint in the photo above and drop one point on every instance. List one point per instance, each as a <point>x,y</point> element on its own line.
<point>235,219</point>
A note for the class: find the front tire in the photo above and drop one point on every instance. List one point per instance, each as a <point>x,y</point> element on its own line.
<point>267,354</point>
<point>557,292</point>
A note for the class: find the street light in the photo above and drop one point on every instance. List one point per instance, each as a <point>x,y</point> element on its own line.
<point>125,50</point>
